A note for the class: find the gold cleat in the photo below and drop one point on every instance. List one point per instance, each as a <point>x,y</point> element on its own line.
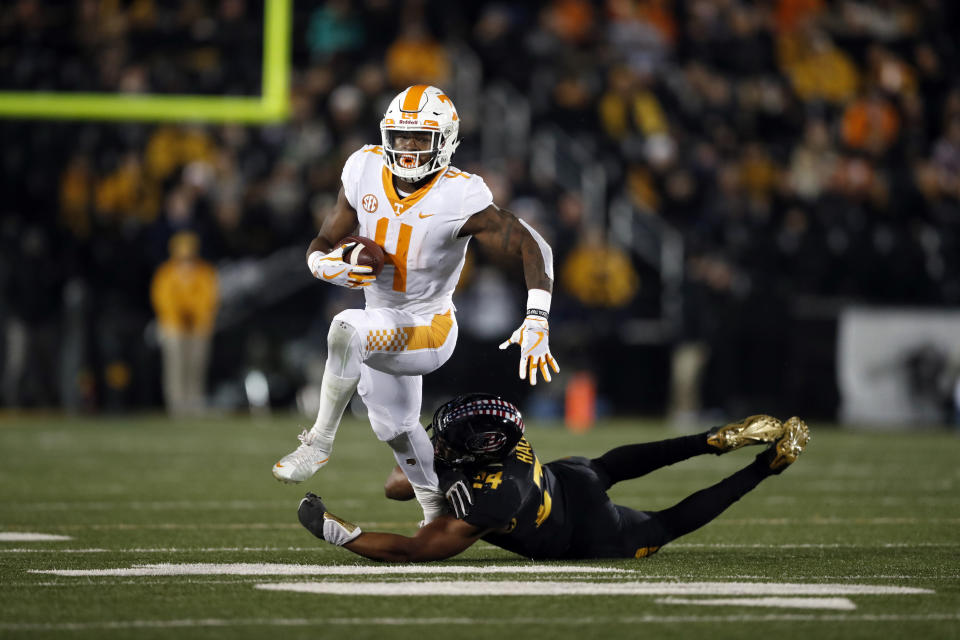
<point>753,430</point>
<point>788,448</point>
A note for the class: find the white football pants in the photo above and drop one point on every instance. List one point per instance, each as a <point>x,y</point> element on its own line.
<point>383,354</point>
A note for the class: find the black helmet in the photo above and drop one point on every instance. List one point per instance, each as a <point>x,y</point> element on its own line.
<point>477,428</point>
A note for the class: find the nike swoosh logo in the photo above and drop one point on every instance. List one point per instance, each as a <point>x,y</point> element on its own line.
<point>539,340</point>
<point>429,215</point>
<point>331,277</point>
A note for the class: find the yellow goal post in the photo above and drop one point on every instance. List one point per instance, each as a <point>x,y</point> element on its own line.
<point>271,106</point>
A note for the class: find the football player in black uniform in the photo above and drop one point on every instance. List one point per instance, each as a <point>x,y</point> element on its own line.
<point>501,493</point>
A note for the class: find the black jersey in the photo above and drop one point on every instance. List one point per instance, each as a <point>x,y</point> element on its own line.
<point>522,502</point>
<point>555,510</point>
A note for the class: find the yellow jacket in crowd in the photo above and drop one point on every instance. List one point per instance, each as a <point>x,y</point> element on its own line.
<point>184,289</point>
<point>600,275</point>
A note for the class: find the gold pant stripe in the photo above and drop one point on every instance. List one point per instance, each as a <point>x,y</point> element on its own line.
<point>412,338</point>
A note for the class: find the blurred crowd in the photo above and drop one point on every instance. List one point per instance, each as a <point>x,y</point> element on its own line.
<point>808,151</point>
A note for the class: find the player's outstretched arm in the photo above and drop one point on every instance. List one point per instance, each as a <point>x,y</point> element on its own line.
<point>442,538</point>
<point>500,232</point>
<point>325,258</point>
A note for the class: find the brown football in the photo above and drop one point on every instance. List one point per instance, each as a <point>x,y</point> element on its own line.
<point>367,253</point>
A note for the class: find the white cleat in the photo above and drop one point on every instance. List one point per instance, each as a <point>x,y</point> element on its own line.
<point>303,462</point>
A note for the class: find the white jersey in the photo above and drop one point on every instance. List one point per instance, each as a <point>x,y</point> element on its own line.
<point>418,232</point>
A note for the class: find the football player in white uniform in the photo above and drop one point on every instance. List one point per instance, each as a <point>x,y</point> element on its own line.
<point>405,195</point>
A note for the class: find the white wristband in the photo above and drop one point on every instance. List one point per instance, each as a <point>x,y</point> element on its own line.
<point>313,261</point>
<point>538,299</point>
<point>337,531</point>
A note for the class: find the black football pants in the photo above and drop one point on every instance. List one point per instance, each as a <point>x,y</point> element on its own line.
<point>618,531</point>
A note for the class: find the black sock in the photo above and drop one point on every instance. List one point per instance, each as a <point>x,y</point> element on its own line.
<point>635,460</point>
<point>703,506</point>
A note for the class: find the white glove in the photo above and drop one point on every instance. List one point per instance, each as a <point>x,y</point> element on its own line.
<point>331,268</point>
<point>533,336</point>
<point>337,531</point>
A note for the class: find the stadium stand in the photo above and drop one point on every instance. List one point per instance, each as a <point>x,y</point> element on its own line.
<point>759,164</point>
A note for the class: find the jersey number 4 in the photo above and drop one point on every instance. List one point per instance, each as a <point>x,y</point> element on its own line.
<point>399,258</point>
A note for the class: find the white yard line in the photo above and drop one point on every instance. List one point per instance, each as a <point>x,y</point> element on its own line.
<point>487,621</point>
<point>547,588</point>
<point>837,604</point>
<point>26,536</point>
<point>271,569</point>
<point>140,582</point>
<point>102,581</point>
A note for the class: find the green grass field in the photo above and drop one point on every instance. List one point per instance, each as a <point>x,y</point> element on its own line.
<point>858,508</point>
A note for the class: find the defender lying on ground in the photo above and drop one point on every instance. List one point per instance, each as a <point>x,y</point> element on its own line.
<point>500,492</point>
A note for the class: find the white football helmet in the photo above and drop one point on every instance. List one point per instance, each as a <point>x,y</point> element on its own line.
<point>420,108</point>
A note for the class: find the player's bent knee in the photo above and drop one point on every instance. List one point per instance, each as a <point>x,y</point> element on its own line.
<point>342,333</point>
<point>397,487</point>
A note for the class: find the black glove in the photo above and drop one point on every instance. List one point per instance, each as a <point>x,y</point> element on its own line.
<point>311,514</point>
<point>456,487</point>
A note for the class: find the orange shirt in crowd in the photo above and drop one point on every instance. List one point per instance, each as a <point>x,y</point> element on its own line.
<point>870,124</point>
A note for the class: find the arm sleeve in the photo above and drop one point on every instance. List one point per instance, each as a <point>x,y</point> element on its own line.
<point>545,249</point>
<point>476,197</point>
<point>350,177</point>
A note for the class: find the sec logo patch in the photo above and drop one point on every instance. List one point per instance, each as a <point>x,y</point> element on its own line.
<point>369,203</point>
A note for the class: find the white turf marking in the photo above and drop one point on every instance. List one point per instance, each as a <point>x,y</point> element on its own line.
<point>545,588</point>
<point>143,582</point>
<point>493,620</point>
<point>839,604</point>
<point>271,569</point>
<point>140,582</point>
<point>207,580</point>
<point>18,536</point>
